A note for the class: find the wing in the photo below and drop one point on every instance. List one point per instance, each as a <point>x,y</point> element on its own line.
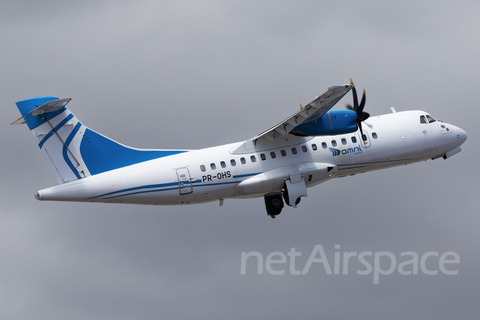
<point>311,112</point>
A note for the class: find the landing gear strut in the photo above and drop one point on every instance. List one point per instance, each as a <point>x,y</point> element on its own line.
<point>274,204</point>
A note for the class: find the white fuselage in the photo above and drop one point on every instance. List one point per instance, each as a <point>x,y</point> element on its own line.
<point>224,172</point>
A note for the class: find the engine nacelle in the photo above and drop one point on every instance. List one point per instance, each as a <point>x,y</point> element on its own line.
<point>332,122</point>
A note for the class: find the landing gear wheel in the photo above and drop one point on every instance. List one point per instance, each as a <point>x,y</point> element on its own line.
<point>274,205</point>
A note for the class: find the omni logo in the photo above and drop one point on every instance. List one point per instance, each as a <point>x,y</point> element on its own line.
<point>337,152</point>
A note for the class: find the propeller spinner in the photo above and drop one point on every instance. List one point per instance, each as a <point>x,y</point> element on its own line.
<point>358,108</point>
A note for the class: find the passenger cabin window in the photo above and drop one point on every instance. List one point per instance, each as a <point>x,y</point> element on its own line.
<point>324,145</point>
<point>364,137</point>
<point>304,148</point>
<point>222,163</point>
<point>294,150</point>
<point>344,141</point>
<point>374,135</point>
<point>314,147</point>
<point>283,153</point>
<point>213,166</point>
<point>243,161</point>
<point>334,143</point>
<point>253,159</point>
<point>202,167</point>
<point>273,155</point>
<point>423,119</point>
<point>263,157</point>
<point>233,163</point>
<point>354,140</point>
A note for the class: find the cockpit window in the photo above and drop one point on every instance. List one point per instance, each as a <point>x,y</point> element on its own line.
<point>423,119</point>
<point>430,118</point>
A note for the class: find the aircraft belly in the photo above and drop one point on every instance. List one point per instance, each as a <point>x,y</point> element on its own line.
<point>272,181</point>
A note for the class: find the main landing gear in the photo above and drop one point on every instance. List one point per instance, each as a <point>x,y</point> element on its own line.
<point>293,189</point>
<point>274,204</point>
<point>291,194</point>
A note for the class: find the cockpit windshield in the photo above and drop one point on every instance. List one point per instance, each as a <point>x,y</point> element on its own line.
<point>430,118</point>
<point>427,119</point>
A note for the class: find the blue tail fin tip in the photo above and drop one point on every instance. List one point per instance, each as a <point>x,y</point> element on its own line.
<point>25,106</point>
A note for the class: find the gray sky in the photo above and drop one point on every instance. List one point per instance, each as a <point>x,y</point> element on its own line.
<point>189,74</point>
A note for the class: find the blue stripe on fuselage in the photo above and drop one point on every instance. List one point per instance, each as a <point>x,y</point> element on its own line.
<point>162,186</point>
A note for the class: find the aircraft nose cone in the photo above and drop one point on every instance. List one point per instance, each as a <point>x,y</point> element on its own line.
<point>462,135</point>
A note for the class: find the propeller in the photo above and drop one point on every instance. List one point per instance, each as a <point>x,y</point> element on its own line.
<point>358,108</point>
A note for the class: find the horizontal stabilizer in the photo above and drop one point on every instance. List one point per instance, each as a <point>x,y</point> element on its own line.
<point>50,106</point>
<point>19,121</point>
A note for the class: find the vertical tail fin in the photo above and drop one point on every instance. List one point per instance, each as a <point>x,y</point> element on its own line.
<point>55,129</point>
<point>72,150</point>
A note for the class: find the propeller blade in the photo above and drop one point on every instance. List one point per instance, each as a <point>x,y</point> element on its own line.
<point>355,99</point>
<point>361,131</point>
<point>358,108</point>
<point>368,124</point>
<point>362,103</point>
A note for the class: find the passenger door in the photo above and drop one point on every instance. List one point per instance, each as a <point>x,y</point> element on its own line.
<point>184,181</point>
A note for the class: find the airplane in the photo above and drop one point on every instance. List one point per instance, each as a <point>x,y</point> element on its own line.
<point>310,147</point>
